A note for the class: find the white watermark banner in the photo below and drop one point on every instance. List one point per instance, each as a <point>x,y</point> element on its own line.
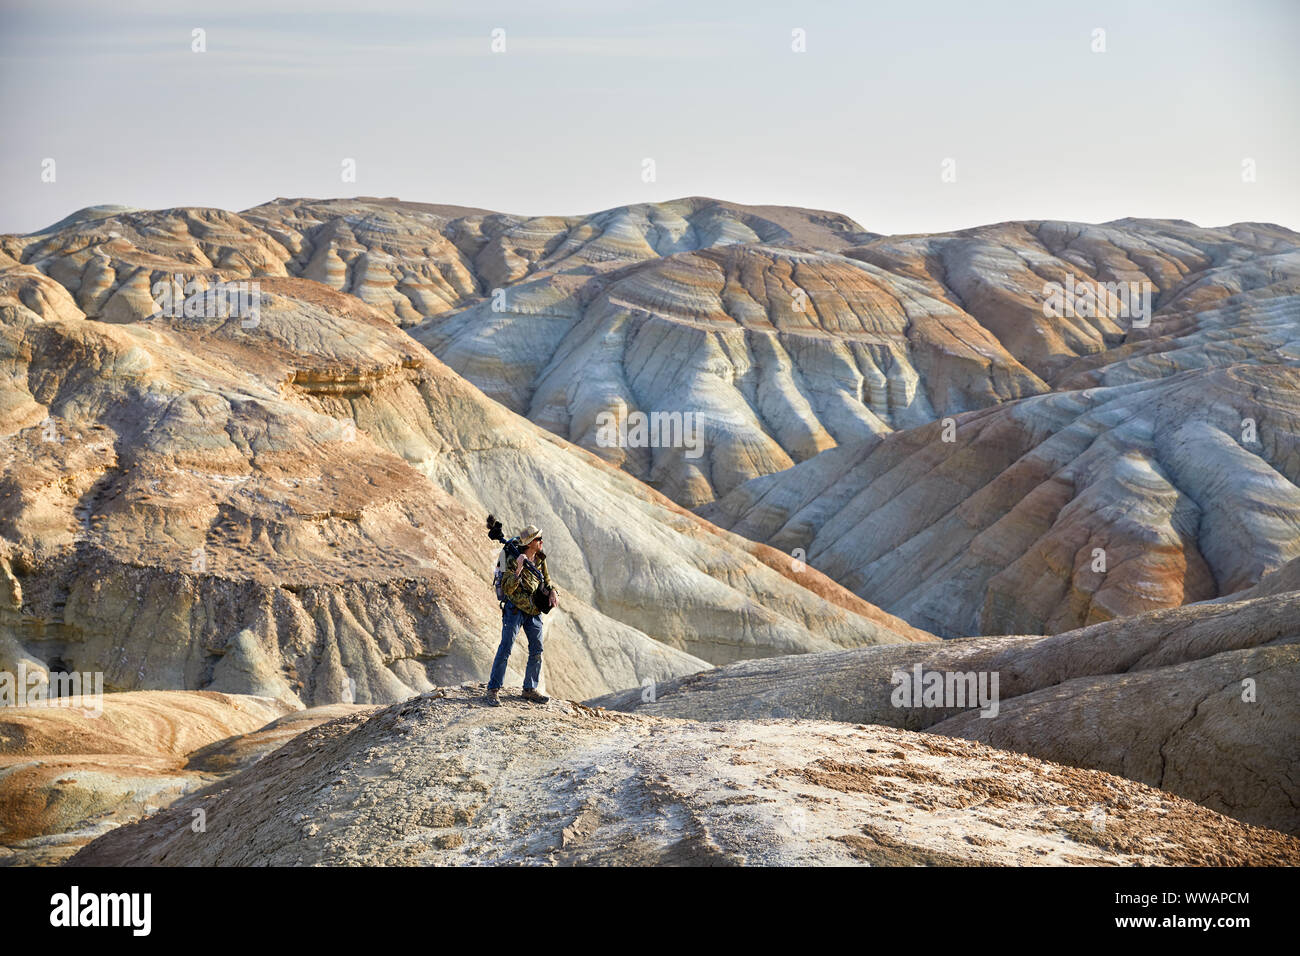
<point>33,687</point>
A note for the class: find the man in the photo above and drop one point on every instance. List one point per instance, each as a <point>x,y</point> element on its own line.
<point>525,584</point>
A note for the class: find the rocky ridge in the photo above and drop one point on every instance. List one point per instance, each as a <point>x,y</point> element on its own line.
<point>441,779</point>
<point>1199,701</point>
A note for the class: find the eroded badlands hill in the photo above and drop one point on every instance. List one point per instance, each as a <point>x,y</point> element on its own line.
<point>1053,512</point>
<point>293,506</point>
<point>818,361</point>
<point>441,779</point>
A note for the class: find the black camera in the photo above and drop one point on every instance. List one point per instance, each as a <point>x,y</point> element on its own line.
<point>496,534</point>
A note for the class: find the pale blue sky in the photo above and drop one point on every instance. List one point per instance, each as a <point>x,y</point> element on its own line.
<point>1038,124</point>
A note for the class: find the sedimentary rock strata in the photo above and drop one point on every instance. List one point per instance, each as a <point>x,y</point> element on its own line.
<point>1055,511</point>
<point>290,502</point>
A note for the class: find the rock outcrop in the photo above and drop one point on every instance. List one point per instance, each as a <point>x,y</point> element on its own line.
<point>1200,701</point>
<point>441,779</point>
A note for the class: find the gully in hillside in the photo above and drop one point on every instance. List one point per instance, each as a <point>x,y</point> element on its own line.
<point>525,592</point>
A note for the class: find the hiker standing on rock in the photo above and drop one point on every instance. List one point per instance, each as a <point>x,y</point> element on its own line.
<point>525,586</point>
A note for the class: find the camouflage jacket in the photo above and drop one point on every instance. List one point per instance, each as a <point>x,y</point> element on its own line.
<point>520,588</point>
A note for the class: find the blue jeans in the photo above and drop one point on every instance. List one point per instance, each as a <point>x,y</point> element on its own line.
<point>511,619</point>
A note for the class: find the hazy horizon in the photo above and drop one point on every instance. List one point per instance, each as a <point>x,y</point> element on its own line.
<point>1037,124</point>
<point>668,199</point>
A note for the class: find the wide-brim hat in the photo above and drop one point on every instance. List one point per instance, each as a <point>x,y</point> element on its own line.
<point>528,534</point>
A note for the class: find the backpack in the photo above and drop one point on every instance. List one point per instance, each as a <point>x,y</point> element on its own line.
<point>542,591</point>
<point>502,560</point>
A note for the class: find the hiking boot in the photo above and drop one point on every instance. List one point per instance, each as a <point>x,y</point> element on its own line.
<point>493,697</point>
<point>534,696</point>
